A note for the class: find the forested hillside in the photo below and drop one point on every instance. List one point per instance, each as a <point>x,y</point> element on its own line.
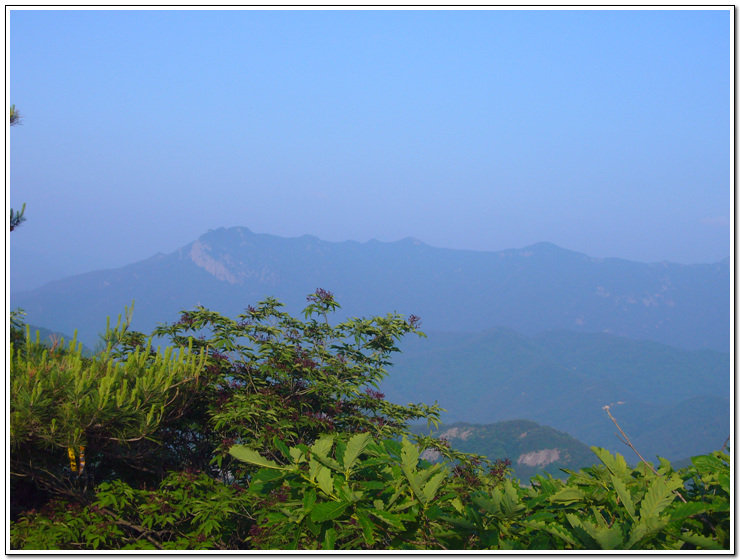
<point>674,402</point>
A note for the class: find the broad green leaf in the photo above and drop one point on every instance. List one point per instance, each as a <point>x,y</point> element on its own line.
<point>330,538</point>
<point>298,455</point>
<point>368,531</point>
<point>355,446</point>
<point>568,495</point>
<point>457,504</point>
<point>309,499</point>
<point>413,479</point>
<point>700,540</point>
<point>683,510</point>
<point>658,497</point>
<point>604,538</point>
<point>645,528</point>
<point>624,496</point>
<point>326,511</point>
<point>325,480</point>
<point>431,487</point>
<point>323,445</point>
<point>616,464</point>
<point>281,447</point>
<point>553,528</point>
<point>247,455</point>
<point>409,455</point>
<point>491,506</point>
<point>391,519</point>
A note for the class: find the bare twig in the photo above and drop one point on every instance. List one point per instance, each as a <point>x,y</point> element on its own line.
<point>627,441</point>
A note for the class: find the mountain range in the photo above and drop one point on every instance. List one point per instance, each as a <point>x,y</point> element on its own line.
<point>537,288</point>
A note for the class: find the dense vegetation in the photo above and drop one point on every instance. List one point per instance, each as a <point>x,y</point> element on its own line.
<point>268,432</point>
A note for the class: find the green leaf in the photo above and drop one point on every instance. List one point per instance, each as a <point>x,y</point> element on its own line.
<point>616,464</point>
<point>367,526</point>
<point>604,538</point>
<point>247,455</point>
<point>700,540</point>
<point>552,528</point>
<point>568,495</point>
<point>683,510</point>
<point>391,519</point>
<point>309,499</point>
<point>323,445</point>
<point>330,538</point>
<point>431,487</point>
<point>409,455</point>
<point>325,480</point>
<point>624,496</point>
<point>355,446</point>
<point>657,498</point>
<point>326,511</point>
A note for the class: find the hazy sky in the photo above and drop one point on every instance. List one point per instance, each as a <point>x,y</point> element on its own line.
<point>604,132</point>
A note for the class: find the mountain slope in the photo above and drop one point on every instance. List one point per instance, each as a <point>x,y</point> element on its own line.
<point>664,397</point>
<point>531,448</point>
<point>542,287</point>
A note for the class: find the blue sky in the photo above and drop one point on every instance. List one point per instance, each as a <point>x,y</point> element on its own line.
<point>604,132</point>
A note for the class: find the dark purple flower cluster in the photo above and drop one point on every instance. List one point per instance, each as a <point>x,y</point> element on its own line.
<point>373,394</point>
<point>321,296</point>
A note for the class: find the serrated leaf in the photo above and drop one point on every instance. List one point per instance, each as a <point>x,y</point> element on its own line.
<point>355,446</point>
<point>432,486</point>
<point>247,455</point>
<point>368,529</point>
<point>616,464</point>
<point>658,496</point>
<point>567,495</point>
<point>624,496</point>
<point>700,540</point>
<point>604,538</point>
<point>459,522</point>
<point>457,504</point>
<point>298,455</point>
<point>413,479</point>
<point>323,445</point>
<point>409,455</point>
<point>391,519</point>
<point>309,499</point>
<point>325,480</point>
<point>326,511</point>
<point>281,447</point>
<point>552,528</point>
<point>683,510</point>
<point>491,506</point>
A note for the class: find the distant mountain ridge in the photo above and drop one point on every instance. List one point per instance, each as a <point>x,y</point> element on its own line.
<point>536,288</point>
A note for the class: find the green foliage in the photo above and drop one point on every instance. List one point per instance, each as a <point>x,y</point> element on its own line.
<point>186,511</point>
<point>268,432</point>
<point>349,492</point>
<point>273,375</point>
<point>66,409</point>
